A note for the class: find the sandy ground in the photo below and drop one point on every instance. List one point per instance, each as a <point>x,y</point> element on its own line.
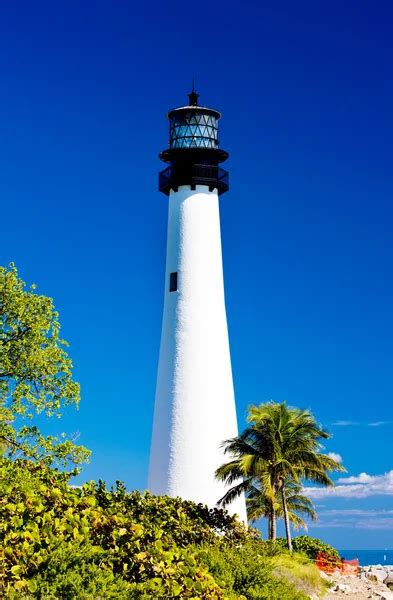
<point>357,588</point>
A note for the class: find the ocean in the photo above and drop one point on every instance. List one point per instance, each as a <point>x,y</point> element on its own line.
<point>369,557</point>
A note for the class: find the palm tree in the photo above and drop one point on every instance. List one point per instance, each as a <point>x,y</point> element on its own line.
<point>258,505</point>
<point>280,445</point>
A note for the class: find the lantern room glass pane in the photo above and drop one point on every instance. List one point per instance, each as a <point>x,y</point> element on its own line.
<point>193,129</point>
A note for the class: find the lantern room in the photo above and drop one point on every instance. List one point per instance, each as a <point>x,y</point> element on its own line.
<point>193,151</point>
<point>193,127</point>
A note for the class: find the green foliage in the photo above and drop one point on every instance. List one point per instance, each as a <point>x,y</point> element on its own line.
<point>309,546</point>
<point>280,448</point>
<point>258,504</point>
<point>63,542</point>
<point>312,546</point>
<point>297,570</point>
<point>72,571</point>
<point>139,539</point>
<point>248,572</point>
<point>35,374</point>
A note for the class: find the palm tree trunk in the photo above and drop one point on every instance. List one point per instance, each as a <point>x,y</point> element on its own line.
<point>286,519</point>
<point>273,524</point>
<point>269,527</point>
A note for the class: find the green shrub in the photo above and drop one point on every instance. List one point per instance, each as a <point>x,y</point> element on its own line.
<point>73,571</point>
<point>247,572</point>
<point>86,573</point>
<point>89,543</point>
<point>300,571</point>
<point>312,546</point>
<point>138,542</point>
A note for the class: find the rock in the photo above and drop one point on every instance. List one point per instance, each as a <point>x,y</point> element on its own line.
<point>377,573</point>
<point>389,581</point>
<point>383,594</point>
<point>342,587</point>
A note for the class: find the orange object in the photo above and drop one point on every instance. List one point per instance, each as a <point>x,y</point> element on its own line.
<point>333,565</point>
<point>350,567</point>
<point>327,564</point>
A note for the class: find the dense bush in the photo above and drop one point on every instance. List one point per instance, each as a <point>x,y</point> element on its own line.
<point>66,542</point>
<point>138,538</point>
<point>248,571</point>
<point>311,547</point>
<point>73,570</point>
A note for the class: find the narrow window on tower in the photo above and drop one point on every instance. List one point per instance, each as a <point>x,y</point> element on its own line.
<point>173,282</point>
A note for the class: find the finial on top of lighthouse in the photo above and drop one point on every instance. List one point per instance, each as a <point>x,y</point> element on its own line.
<point>193,96</point>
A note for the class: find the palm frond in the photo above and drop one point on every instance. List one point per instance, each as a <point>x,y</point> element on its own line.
<point>280,447</point>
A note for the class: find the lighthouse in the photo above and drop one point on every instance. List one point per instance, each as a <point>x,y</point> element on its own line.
<point>195,407</point>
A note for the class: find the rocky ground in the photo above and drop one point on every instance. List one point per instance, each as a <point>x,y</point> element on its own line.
<point>369,584</point>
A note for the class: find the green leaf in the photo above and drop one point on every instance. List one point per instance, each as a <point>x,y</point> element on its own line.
<point>175,589</point>
<point>16,570</point>
<point>32,586</point>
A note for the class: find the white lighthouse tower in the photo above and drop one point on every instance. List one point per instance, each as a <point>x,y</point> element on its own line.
<point>195,406</point>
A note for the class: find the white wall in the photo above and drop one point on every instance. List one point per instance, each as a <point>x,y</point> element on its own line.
<point>195,406</point>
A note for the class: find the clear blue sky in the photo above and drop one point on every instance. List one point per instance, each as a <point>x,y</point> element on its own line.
<point>306,90</point>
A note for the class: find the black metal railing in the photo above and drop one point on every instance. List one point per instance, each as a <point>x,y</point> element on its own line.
<point>191,174</point>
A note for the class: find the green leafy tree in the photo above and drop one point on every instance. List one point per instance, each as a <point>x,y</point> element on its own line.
<point>35,374</point>
<point>281,444</point>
